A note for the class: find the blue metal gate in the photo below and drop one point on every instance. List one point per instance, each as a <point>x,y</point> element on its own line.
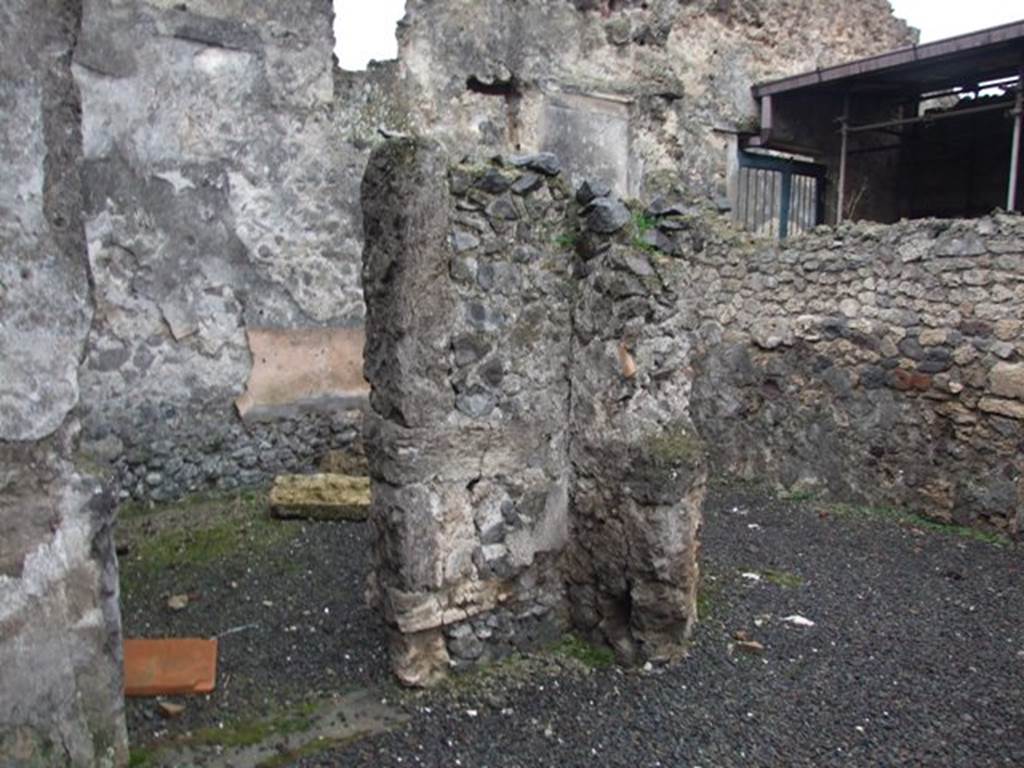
<point>779,197</point>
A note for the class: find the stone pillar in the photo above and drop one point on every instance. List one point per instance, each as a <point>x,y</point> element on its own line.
<point>639,464</point>
<point>467,354</point>
<point>60,643</point>
<point>512,450</point>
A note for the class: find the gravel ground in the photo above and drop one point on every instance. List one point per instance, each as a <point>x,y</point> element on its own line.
<point>916,656</point>
<point>285,597</point>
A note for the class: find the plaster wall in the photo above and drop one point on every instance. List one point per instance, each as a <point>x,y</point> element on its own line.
<point>60,664</point>
<point>219,216</point>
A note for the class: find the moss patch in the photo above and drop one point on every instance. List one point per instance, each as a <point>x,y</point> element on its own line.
<point>588,654</point>
<point>676,445</point>
<point>248,733</point>
<point>315,747</point>
<point>482,677</point>
<point>709,597</point>
<point>239,734</point>
<point>797,497</point>
<point>141,757</point>
<point>196,532</point>
<point>783,579</point>
<point>910,520</point>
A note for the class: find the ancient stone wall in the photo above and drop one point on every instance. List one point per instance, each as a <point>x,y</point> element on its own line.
<point>467,328</point>
<point>221,185</point>
<point>60,670</point>
<point>880,363</point>
<point>532,461</point>
<point>536,352</point>
<point>220,199</point>
<point>641,95</point>
<point>638,463</point>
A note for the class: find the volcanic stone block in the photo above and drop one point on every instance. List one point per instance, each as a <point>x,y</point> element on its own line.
<point>324,497</point>
<point>1008,380</point>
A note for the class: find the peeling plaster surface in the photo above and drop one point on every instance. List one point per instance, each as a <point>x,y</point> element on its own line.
<point>60,629</point>
<point>292,369</point>
<point>40,339</point>
<point>686,69</point>
<point>219,198</point>
<point>224,153</point>
<point>60,668</point>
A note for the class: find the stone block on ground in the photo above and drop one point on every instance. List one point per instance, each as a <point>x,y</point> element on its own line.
<point>325,497</point>
<point>344,463</point>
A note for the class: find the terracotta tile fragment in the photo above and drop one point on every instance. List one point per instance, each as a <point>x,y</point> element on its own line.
<point>169,667</point>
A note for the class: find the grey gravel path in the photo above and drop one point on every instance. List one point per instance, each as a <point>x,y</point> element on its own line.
<point>916,658</point>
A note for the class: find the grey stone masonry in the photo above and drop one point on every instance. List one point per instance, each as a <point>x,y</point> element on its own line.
<point>482,323</point>
<point>223,153</point>
<point>60,643</point>
<point>881,364</point>
<point>220,199</point>
<point>638,462</point>
<point>165,459</point>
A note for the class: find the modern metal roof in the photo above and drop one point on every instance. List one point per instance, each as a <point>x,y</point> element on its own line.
<point>964,60</point>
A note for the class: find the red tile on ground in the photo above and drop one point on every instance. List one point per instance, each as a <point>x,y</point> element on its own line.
<point>169,667</point>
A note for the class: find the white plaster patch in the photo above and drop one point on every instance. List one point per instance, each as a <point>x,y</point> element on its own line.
<point>48,566</point>
<point>176,180</point>
<point>91,619</point>
<point>221,62</point>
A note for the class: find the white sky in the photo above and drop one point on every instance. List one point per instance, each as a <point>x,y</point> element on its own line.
<point>365,29</point>
<point>938,19</point>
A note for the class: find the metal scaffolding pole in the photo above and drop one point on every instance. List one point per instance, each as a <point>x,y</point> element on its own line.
<point>930,118</point>
<point>1018,123</point>
<point>845,121</point>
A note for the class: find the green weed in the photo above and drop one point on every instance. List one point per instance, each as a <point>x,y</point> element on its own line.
<point>642,224</point>
<point>588,654</point>
<point>249,733</point>
<point>567,241</point>
<point>911,520</point>
<point>783,579</point>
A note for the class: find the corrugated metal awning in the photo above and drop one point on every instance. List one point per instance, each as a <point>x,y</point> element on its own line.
<point>964,60</point>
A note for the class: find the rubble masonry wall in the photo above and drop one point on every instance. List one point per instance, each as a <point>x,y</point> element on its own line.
<point>223,155</point>
<point>220,197</point>
<point>877,363</point>
<point>533,464</point>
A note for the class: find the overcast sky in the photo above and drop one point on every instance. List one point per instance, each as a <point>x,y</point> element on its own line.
<point>365,29</point>
<point>938,19</point>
